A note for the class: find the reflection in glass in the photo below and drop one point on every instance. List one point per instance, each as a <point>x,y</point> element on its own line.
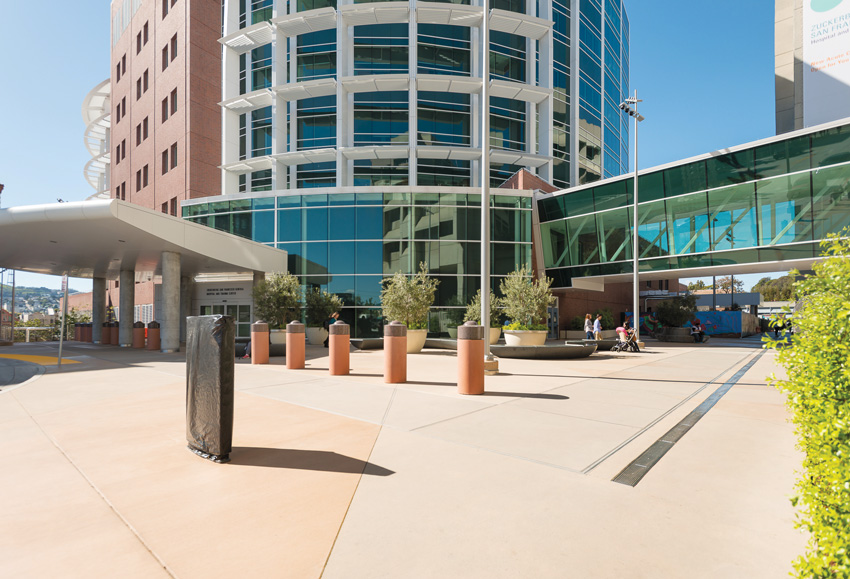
<point>785,209</point>
<point>689,219</point>
<point>733,217</point>
<point>831,196</point>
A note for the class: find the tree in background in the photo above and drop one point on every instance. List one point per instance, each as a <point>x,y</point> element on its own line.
<point>673,313</point>
<point>724,284</point>
<point>698,285</point>
<point>818,396</point>
<point>776,290</point>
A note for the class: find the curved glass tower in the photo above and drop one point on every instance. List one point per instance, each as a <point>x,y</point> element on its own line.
<point>334,93</point>
<point>352,134</point>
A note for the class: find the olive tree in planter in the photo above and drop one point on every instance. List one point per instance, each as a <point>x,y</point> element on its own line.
<point>526,303</point>
<point>320,306</point>
<point>277,301</point>
<point>454,316</point>
<point>473,314</point>
<point>408,299</point>
<point>673,314</point>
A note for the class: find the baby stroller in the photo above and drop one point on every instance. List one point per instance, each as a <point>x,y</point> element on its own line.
<point>627,345</point>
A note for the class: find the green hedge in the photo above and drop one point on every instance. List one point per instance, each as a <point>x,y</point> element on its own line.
<point>818,395</point>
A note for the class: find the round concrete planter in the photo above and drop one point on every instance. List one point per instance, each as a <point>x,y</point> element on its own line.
<point>316,336</point>
<point>416,340</point>
<point>525,337</point>
<point>452,332</point>
<point>277,337</point>
<point>495,334</point>
<point>675,335</point>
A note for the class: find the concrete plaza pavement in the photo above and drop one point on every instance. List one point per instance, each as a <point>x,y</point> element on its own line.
<point>346,477</point>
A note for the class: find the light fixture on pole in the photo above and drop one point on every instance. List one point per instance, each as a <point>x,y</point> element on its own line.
<point>630,106</point>
<point>489,359</point>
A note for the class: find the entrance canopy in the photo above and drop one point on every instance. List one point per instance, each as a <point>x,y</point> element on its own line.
<point>103,237</point>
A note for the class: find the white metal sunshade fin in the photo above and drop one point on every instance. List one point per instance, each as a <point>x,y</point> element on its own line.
<point>306,89</point>
<point>249,38</point>
<point>519,24</point>
<point>375,13</point>
<point>306,22</point>
<point>454,14</point>
<point>306,157</point>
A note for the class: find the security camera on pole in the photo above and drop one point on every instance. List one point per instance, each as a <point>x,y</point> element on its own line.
<point>626,106</point>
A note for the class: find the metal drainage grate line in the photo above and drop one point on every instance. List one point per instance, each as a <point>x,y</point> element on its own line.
<point>637,469</point>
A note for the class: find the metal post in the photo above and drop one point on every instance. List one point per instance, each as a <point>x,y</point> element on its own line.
<point>714,293</point>
<point>64,317</point>
<point>485,179</point>
<point>12,311</point>
<point>635,252</point>
<point>732,299</point>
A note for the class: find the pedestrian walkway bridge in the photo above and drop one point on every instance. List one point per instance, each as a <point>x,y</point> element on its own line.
<point>758,207</point>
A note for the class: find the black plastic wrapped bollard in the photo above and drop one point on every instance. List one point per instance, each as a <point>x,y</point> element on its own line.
<point>210,362</point>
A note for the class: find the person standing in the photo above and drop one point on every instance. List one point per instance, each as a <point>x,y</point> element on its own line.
<point>588,326</point>
<point>597,327</point>
<point>327,326</point>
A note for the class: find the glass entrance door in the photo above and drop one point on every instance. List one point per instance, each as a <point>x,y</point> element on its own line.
<point>241,314</point>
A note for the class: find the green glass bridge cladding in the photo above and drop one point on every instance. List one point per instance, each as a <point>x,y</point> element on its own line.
<point>765,202</point>
<point>347,243</point>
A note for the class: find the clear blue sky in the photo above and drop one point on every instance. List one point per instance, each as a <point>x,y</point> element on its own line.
<point>704,70</point>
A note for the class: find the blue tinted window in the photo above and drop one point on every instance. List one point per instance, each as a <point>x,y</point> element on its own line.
<point>263,226</point>
<point>369,257</point>
<point>341,223</point>
<point>315,224</point>
<point>369,223</point>
<point>289,225</point>
<point>341,258</point>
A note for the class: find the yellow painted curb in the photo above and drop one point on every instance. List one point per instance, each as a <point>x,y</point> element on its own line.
<point>43,360</point>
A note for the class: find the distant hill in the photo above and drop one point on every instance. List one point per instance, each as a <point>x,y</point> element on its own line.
<point>33,299</point>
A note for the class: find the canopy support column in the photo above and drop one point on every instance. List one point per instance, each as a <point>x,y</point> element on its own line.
<point>170,330</point>
<point>126,303</point>
<point>98,307</point>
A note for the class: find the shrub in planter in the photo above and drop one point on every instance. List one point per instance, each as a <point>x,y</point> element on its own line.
<point>473,314</point>
<point>473,310</point>
<point>408,298</point>
<point>526,300</point>
<point>319,306</point>
<point>818,396</point>
<point>277,299</point>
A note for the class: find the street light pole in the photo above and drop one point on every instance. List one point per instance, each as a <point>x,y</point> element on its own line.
<point>627,107</point>
<point>485,182</point>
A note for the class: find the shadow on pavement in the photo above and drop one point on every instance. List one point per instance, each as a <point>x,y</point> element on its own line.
<point>319,460</point>
<point>541,395</point>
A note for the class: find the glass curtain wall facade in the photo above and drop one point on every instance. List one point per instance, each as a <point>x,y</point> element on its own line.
<point>346,242</point>
<point>352,135</point>
<point>343,84</point>
<point>773,201</point>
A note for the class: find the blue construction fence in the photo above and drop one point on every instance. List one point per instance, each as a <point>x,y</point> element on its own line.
<point>716,323</point>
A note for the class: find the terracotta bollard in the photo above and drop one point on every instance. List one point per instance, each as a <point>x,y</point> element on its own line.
<point>395,353</point>
<point>153,336</point>
<point>259,343</point>
<point>139,335</point>
<point>470,359</point>
<point>339,343</point>
<point>295,335</point>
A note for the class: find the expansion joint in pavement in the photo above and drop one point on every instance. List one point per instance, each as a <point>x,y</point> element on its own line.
<point>638,468</point>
